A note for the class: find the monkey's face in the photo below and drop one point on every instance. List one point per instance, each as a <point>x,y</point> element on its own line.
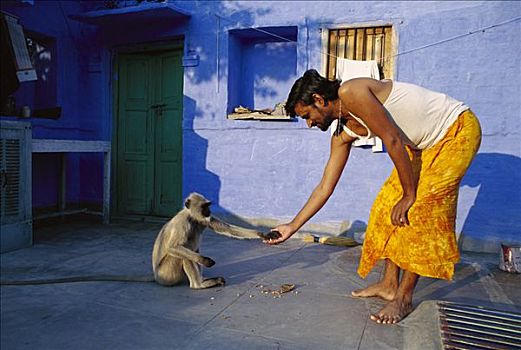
<point>205,209</point>
<point>198,205</point>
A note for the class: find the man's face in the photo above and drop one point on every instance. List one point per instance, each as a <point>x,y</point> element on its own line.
<point>317,114</point>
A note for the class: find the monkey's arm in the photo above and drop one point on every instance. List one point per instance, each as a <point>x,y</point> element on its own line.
<point>181,252</point>
<point>233,231</point>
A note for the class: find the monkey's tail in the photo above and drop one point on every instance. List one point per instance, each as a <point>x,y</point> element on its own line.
<point>74,279</point>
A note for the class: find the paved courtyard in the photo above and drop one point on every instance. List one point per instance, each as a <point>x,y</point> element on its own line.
<point>318,314</point>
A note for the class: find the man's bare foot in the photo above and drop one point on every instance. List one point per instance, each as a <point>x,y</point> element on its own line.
<point>380,290</point>
<point>393,312</point>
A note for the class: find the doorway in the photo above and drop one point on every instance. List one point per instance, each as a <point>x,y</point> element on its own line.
<point>148,132</point>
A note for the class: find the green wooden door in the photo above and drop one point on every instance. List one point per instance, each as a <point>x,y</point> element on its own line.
<point>149,133</point>
<point>168,134</point>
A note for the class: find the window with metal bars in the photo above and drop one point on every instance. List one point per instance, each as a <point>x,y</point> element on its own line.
<point>369,43</point>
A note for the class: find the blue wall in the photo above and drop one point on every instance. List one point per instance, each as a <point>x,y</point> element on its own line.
<point>268,169</point>
<point>50,20</point>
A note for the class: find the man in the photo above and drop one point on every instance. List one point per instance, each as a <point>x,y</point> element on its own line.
<point>431,139</point>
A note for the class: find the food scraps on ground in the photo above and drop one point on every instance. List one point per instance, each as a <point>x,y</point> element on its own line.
<point>284,288</point>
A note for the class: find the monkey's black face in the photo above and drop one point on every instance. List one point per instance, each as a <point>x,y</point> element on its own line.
<point>198,205</point>
<point>206,209</point>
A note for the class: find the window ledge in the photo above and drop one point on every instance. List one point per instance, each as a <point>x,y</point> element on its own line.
<point>258,116</point>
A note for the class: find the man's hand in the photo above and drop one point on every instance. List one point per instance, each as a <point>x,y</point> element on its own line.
<point>285,231</point>
<point>269,235</point>
<point>400,210</point>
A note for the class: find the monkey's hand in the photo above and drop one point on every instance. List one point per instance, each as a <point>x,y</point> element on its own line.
<point>282,233</point>
<point>271,235</point>
<point>233,231</point>
<point>208,262</point>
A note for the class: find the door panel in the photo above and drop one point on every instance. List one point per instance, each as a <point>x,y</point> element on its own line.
<point>150,133</point>
<point>169,135</point>
<point>135,151</point>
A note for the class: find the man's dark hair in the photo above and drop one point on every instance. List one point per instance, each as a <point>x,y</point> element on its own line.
<point>307,85</point>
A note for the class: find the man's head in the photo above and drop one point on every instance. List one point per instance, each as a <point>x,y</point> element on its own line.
<point>309,98</point>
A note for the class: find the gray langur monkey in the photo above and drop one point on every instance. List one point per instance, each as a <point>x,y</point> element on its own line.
<point>175,255</point>
<point>176,250</point>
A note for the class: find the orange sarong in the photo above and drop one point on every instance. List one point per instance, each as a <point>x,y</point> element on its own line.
<point>428,245</point>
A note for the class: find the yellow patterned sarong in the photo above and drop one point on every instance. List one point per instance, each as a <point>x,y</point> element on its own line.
<point>428,245</point>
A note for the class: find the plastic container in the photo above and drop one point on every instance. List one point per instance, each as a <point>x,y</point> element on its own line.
<point>510,258</point>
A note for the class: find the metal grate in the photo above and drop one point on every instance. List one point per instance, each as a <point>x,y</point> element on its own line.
<point>468,327</point>
<point>11,177</point>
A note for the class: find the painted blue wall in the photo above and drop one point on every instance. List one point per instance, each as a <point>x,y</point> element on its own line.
<point>273,166</point>
<point>49,19</point>
<point>268,169</point>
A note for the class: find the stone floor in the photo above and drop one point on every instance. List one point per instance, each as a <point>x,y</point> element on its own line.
<point>318,314</point>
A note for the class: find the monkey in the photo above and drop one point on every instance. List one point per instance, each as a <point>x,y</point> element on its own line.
<point>175,255</point>
<point>176,249</point>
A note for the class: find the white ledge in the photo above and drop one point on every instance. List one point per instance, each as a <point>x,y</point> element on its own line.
<point>48,146</point>
<point>257,116</point>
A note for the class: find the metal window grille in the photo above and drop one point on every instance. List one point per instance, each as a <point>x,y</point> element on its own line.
<point>371,43</point>
<point>10,194</point>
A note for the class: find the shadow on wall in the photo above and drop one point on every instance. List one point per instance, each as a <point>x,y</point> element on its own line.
<point>215,64</point>
<point>250,67</point>
<point>495,216</point>
<point>256,67</point>
<point>221,16</point>
<point>196,176</point>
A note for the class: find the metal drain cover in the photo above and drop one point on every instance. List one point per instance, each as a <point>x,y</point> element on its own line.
<point>468,327</point>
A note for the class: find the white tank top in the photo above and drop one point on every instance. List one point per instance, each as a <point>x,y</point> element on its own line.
<point>423,116</point>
